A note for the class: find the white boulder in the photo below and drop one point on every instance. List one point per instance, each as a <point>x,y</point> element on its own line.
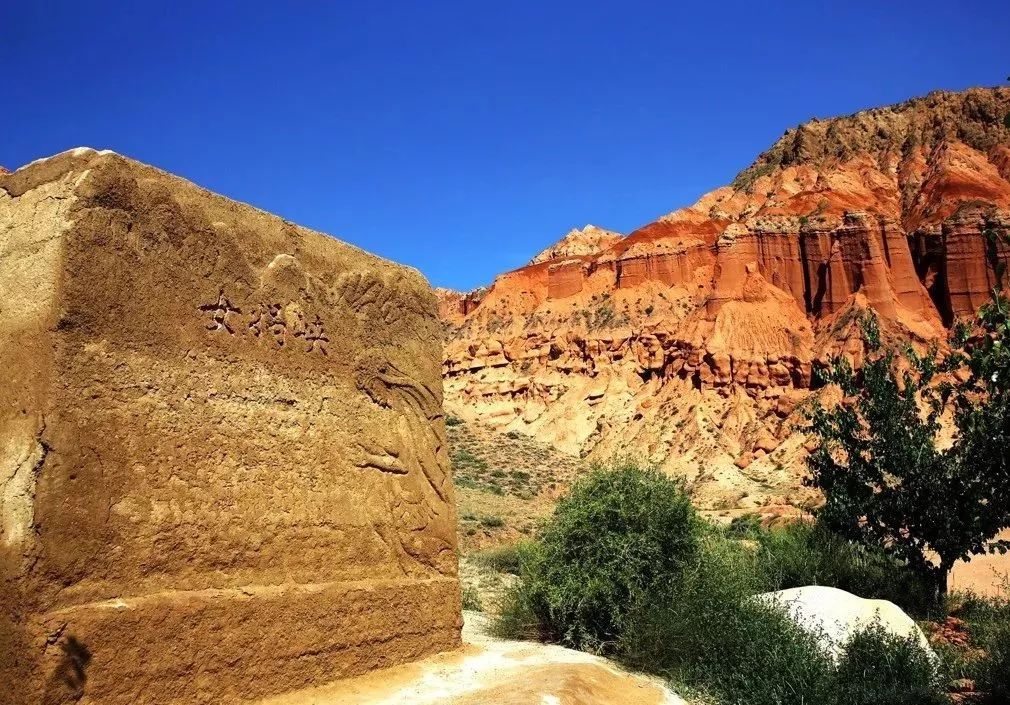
<point>834,616</point>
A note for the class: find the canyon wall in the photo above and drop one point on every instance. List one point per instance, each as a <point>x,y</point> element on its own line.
<point>693,342</point>
<point>224,471</point>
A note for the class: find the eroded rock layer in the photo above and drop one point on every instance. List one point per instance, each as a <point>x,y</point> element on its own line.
<point>223,458</point>
<point>692,341</point>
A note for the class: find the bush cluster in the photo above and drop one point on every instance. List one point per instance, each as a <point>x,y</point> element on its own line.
<point>805,553</point>
<point>990,632</point>
<point>627,568</point>
<point>614,542</point>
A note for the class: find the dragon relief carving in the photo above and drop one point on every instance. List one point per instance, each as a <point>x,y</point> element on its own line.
<point>407,448</point>
<point>371,295</point>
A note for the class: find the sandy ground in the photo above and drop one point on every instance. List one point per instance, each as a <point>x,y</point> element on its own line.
<point>488,671</point>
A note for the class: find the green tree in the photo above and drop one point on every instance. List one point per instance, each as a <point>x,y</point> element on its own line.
<point>886,480</point>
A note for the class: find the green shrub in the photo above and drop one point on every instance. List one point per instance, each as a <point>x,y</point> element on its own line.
<point>464,458</point>
<point>471,599</point>
<point>710,635</point>
<point>993,676</point>
<point>503,559</point>
<point>466,482</point>
<point>745,526</point>
<point>622,535</point>
<point>806,554</point>
<point>451,420</point>
<point>989,625</point>
<point>625,567</point>
<point>492,522</point>
<point>880,668</point>
<point>517,618</point>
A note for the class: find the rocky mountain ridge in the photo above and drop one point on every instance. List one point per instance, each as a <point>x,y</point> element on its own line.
<point>579,242</point>
<point>691,342</point>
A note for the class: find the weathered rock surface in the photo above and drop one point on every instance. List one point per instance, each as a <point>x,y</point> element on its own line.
<point>693,341</point>
<point>587,241</point>
<point>835,616</point>
<point>456,305</point>
<point>488,671</point>
<point>223,454</point>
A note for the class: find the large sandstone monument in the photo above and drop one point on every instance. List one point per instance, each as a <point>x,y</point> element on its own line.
<point>223,471</point>
<point>693,341</point>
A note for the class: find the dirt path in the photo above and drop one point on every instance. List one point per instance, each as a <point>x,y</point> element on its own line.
<point>488,671</point>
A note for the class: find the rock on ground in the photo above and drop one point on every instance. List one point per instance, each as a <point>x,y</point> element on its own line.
<point>835,616</point>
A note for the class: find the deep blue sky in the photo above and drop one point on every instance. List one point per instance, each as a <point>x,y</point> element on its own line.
<point>463,137</point>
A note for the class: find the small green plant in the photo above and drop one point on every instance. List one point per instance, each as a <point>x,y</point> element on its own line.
<point>466,482</point>
<point>492,522</point>
<point>471,599</point>
<point>451,420</point>
<point>881,668</point>
<point>989,624</point>
<point>520,475</point>
<point>745,179</point>
<point>993,675</point>
<point>745,526</point>
<point>503,559</point>
<point>463,458</point>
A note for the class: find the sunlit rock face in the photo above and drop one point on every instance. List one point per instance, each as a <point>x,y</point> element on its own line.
<point>225,472</point>
<point>693,341</point>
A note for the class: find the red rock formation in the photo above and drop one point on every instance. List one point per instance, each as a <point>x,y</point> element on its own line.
<point>603,344</point>
<point>590,240</point>
<point>454,306</point>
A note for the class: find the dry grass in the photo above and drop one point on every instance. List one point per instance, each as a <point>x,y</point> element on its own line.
<point>505,484</point>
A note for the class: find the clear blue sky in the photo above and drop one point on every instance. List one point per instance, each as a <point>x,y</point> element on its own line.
<point>462,137</point>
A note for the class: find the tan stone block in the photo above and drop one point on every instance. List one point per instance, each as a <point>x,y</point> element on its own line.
<point>224,468</point>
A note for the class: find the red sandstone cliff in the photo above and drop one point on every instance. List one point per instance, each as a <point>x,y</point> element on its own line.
<point>690,341</point>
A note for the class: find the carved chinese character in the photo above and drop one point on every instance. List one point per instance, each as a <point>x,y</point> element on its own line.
<point>269,319</point>
<point>219,312</point>
<point>315,336</point>
<point>295,319</point>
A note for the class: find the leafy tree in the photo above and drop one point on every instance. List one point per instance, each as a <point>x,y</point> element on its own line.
<point>887,481</point>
